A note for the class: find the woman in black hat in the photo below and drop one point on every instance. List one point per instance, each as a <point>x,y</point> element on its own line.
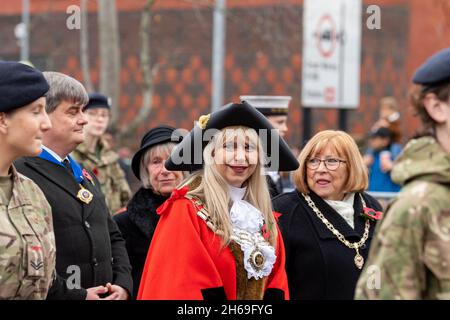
<point>139,221</point>
<point>27,241</point>
<point>217,237</point>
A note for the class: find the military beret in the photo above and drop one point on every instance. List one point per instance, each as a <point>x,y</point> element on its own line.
<point>188,155</point>
<point>20,85</point>
<point>435,70</point>
<point>98,100</point>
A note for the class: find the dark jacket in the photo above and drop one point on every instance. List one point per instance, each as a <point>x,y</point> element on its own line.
<point>318,265</point>
<point>137,225</point>
<point>86,237</point>
<point>275,188</point>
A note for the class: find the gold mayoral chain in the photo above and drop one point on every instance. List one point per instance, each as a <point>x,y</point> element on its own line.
<point>359,260</point>
<point>84,194</point>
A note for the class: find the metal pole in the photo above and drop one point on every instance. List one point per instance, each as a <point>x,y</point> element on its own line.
<point>218,55</point>
<point>307,125</point>
<point>24,46</point>
<point>343,120</point>
<point>342,111</point>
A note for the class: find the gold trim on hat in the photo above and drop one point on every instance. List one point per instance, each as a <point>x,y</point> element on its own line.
<point>203,121</point>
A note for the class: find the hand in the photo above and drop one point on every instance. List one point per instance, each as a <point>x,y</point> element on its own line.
<point>386,163</point>
<point>116,292</point>
<point>93,293</point>
<point>380,123</point>
<point>368,160</point>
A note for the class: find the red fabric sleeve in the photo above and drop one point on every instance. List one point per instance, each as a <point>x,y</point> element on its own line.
<point>178,265</point>
<point>278,278</point>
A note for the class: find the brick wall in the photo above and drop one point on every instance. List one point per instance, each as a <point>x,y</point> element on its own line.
<point>263,56</point>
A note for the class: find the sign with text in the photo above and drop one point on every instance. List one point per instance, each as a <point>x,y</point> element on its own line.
<point>331,53</point>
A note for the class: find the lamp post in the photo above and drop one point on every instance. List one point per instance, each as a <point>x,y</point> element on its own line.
<point>25,41</point>
<point>22,31</point>
<point>218,55</point>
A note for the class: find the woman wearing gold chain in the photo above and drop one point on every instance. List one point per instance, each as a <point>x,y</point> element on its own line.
<point>217,237</point>
<point>328,221</point>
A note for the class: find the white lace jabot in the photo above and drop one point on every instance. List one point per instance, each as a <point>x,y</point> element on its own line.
<point>247,223</point>
<point>345,208</point>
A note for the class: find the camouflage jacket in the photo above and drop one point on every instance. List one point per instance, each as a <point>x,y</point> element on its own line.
<point>410,256</point>
<point>108,171</point>
<point>27,242</point>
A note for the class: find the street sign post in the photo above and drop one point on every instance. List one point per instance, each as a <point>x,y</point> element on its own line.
<point>331,53</point>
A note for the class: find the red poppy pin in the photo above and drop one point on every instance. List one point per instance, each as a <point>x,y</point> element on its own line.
<point>95,171</point>
<point>371,214</point>
<point>88,176</point>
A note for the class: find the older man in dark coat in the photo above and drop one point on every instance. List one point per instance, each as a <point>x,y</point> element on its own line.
<point>91,254</point>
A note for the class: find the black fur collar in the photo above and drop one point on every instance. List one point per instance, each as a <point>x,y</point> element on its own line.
<point>142,210</point>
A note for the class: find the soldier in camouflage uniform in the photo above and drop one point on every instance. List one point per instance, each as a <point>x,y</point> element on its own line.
<point>410,256</point>
<point>27,241</point>
<point>96,154</point>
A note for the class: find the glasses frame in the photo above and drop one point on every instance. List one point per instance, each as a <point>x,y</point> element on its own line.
<point>325,163</point>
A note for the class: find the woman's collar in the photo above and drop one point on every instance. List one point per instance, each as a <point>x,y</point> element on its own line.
<point>236,193</point>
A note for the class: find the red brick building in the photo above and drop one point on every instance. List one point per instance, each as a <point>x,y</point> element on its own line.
<point>264,54</point>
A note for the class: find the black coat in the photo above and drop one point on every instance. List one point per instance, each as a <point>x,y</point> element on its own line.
<point>85,234</point>
<point>275,188</point>
<point>137,225</point>
<point>318,265</point>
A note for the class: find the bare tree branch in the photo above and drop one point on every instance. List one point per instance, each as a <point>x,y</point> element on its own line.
<point>109,55</point>
<point>148,71</point>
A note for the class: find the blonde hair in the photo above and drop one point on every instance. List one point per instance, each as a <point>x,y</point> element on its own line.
<point>163,149</point>
<point>209,186</point>
<point>346,148</point>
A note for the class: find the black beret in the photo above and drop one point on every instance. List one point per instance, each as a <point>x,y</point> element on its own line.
<point>20,85</point>
<point>435,70</point>
<point>188,155</point>
<point>158,135</point>
<point>97,100</point>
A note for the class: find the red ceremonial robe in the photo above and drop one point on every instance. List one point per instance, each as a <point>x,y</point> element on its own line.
<point>185,260</point>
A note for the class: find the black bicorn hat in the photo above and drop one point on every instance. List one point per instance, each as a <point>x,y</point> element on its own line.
<point>435,70</point>
<point>157,135</point>
<point>188,155</point>
<point>98,100</point>
<point>20,85</point>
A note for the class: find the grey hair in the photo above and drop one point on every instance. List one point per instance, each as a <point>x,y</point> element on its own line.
<point>162,149</point>
<point>64,88</point>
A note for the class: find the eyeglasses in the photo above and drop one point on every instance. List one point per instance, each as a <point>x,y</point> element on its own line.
<point>331,163</point>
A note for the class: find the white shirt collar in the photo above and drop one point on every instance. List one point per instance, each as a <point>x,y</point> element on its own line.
<point>54,154</point>
<point>236,193</point>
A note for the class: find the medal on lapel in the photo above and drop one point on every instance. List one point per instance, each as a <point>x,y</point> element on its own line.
<point>84,195</point>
